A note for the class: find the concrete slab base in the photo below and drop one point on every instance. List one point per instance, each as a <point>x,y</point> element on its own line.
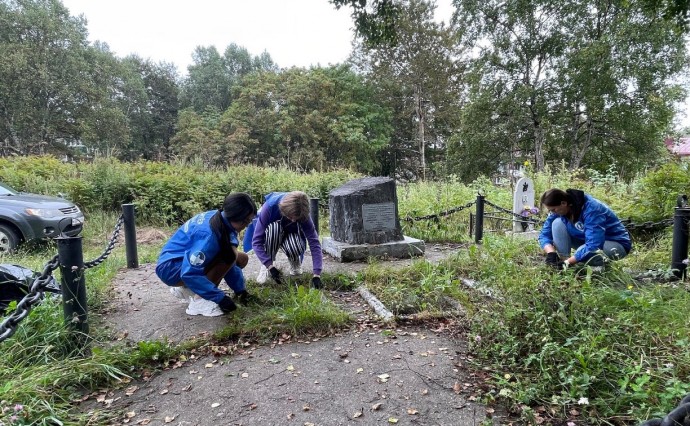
<point>343,252</point>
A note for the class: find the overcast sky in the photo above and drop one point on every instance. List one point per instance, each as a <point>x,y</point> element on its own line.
<point>294,32</point>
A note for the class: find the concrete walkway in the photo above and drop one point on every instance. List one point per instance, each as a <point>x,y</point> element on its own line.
<point>372,374</point>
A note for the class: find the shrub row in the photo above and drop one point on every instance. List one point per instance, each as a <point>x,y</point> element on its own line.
<point>163,193</point>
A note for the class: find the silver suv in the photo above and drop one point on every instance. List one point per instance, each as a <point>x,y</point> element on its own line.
<point>25,217</point>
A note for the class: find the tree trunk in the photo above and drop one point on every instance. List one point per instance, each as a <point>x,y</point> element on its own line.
<point>538,133</point>
<point>419,110</point>
<point>579,150</point>
<point>12,144</point>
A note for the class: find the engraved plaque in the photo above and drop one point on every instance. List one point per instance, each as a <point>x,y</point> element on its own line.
<point>378,217</point>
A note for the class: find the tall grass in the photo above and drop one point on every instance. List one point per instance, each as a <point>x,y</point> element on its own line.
<point>609,346</point>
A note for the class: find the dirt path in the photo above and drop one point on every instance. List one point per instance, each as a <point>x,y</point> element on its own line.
<point>369,375</point>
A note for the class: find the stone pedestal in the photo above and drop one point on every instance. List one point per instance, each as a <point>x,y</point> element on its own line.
<point>364,222</point>
<point>406,248</point>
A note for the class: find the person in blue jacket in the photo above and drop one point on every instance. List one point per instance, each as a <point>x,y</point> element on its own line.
<point>203,251</point>
<point>581,222</point>
<point>284,223</point>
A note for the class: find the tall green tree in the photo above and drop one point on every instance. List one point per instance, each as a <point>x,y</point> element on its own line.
<point>319,118</point>
<point>151,106</point>
<point>579,81</point>
<point>212,76</point>
<point>421,79</point>
<point>44,74</point>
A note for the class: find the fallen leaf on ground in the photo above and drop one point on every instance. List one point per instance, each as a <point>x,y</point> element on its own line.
<point>359,370</point>
<point>383,378</point>
<point>457,387</point>
<point>290,368</point>
<point>130,390</point>
<point>358,414</point>
<point>245,375</point>
<point>130,414</point>
<point>215,404</point>
<point>412,411</point>
<point>306,408</point>
<point>164,391</point>
<point>209,365</point>
<point>376,406</point>
<point>425,391</point>
<point>392,420</point>
<point>144,421</point>
<point>169,419</point>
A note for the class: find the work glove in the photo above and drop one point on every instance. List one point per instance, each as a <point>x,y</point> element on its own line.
<point>316,283</point>
<point>276,275</point>
<point>245,298</point>
<point>227,305</point>
<point>553,260</point>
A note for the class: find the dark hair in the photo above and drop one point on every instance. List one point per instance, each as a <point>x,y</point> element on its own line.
<point>554,197</point>
<point>237,206</point>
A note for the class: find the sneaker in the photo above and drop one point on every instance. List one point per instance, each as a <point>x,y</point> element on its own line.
<point>182,293</point>
<point>263,275</point>
<point>295,268</point>
<point>204,307</point>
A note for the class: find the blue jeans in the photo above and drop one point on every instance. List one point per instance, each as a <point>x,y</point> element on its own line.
<point>565,243</point>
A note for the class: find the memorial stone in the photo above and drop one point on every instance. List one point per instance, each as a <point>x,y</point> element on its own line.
<point>365,211</point>
<point>364,222</point>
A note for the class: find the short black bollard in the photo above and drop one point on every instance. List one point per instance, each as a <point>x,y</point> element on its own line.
<point>130,236</point>
<point>71,259</point>
<point>479,218</point>
<point>314,212</point>
<point>679,252</point>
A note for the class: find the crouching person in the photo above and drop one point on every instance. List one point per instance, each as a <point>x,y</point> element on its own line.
<point>284,223</point>
<point>579,222</point>
<point>202,252</point>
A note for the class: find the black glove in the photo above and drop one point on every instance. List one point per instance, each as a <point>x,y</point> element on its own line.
<point>316,283</point>
<point>227,305</point>
<point>276,275</point>
<point>553,260</point>
<point>244,297</point>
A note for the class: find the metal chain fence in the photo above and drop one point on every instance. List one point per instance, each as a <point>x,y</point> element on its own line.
<point>516,215</point>
<point>109,248</point>
<point>10,324</point>
<point>441,214</point>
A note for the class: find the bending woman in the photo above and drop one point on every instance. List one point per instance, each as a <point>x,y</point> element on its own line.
<point>581,222</point>
<point>284,223</point>
<point>203,252</point>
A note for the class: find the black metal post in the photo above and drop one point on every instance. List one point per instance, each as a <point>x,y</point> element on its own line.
<point>130,236</point>
<point>479,225</point>
<point>679,251</point>
<point>71,258</point>
<point>314,212</point>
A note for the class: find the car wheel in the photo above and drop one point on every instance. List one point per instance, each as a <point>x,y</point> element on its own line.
<point>8,239</point>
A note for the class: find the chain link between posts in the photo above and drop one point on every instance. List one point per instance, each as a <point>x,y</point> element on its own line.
<point>109,248</point>
<point>9,325</point>
<point>439,215</point>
